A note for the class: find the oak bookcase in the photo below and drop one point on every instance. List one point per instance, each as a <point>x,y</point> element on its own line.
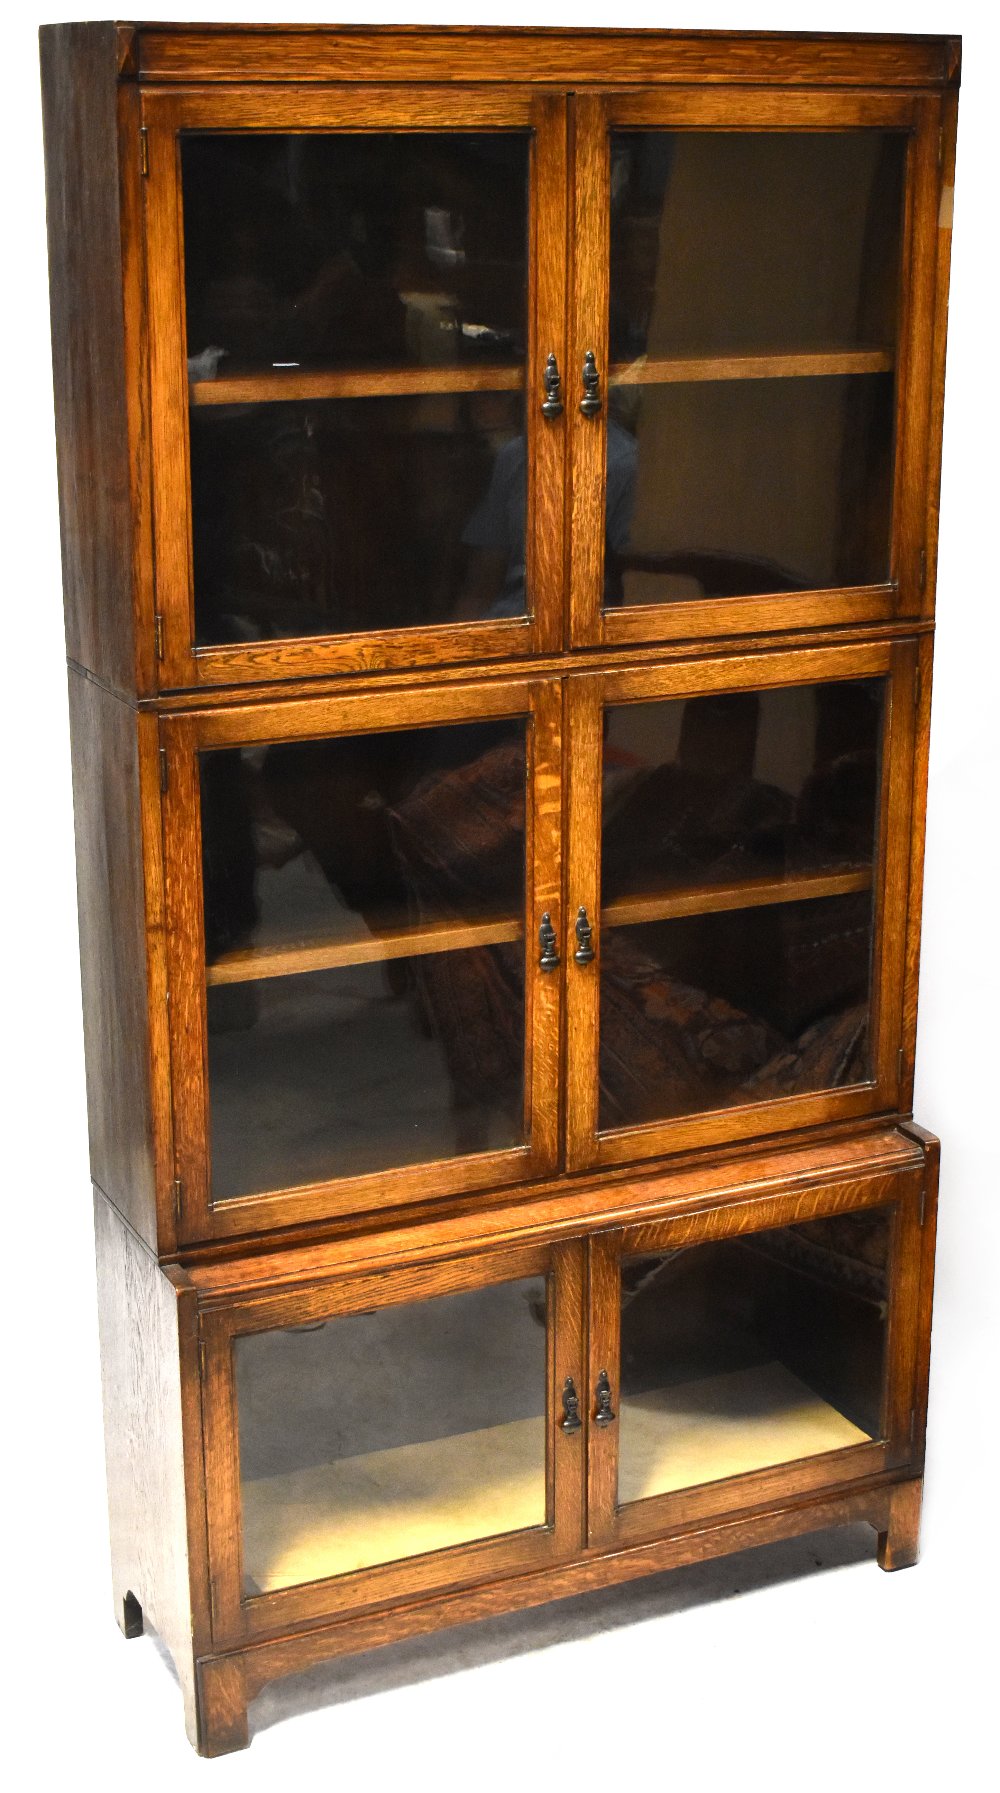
<point>498,481</point>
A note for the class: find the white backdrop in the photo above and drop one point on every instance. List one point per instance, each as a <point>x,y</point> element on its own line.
<point>830,1669</point>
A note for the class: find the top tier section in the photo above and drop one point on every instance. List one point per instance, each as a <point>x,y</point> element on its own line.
<point>383,350</point>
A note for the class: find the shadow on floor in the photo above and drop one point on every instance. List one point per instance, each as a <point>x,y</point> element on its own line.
<point>463,1647</point>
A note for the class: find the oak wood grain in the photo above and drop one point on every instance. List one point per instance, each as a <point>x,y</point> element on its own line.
<point>493,54</point>
<point>141,1318</point>
<point>115,930</point>
<point>96,275</point>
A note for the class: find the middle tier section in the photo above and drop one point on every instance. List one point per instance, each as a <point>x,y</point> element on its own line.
<point>428,942</point>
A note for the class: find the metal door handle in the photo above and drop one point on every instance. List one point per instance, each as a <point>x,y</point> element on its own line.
<point>590,403</point>
<point>552,402</point>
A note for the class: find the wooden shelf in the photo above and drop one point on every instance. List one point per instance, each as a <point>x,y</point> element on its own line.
<point>752,893</point>
<point>721,1426</point>
<point>272,385</point>
<point>247,964</point>
<point>793,364</point>
<point>334,1518</point>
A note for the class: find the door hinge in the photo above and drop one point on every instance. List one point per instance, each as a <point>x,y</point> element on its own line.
<point>900,1064</point>
<point>213,1603</point>
<point>164,770</point>
<point>158,635</point>
<point>202,1357</point>
<point>923,1203</point>
<point>923,570</point>
<point>178,1192</point>
<point>913,1424</point>
<point>144,149</point>
<point>918,685</point>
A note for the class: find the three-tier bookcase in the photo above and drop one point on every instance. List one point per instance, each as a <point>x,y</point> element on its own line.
<point>498,480</point>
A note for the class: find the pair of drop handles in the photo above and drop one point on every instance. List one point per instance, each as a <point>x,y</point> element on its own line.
<point>549,956</point>
<point>604,1413</point>
<point>590,403</point>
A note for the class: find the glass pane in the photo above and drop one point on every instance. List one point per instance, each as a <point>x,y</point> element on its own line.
<point>740,785</point>
<point>733,467</point>
<point>383,1435</point>
<point>723,488</point>
<point>356,329</point>
<point>738,846</point>
<point>364,926</point>
<point>323,518</point>
<point>714,1011</point>
<point>740,241</point>
<point>754,1351</point>
<point>364,250</point>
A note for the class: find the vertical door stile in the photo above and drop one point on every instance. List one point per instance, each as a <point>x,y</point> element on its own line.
<point>170,452</point>
<point>543,848</point>
<point>590,275</point>
<point>546,436</point>
<point>888,972</point>
<point>603,1359</point>
<point>583,891</point>
<point>568,1379</point>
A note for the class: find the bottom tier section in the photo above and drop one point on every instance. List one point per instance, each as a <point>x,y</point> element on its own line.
<point>362,1438</point>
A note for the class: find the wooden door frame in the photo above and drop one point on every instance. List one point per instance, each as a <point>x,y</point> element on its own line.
<point>183,736</point>
<point>896,662</point>
<point>611,1526</point>
<point>166,113</point>
<point>238,1618</point>
<point>593,115</point>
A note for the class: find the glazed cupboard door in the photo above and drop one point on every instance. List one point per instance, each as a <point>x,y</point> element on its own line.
<point>750,1353</point>
<point>355,889</point>
<point>752,288</point>
<point>738,874</point>
<point>353,296</point>
<point>376,1437</point>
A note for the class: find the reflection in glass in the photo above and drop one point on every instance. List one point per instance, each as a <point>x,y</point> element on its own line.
<point>746,242</point>
<point>357,514</point>
<point>364,907</point>
<point>344,1072</point>
<point>750,1352</point>
<point>366,250</point>
<point>751,1005</point>
<point>723,488</point>
<point>726,481</point>
<point>740,785</point>
<point>739,835</point>
<point>387,1434</point>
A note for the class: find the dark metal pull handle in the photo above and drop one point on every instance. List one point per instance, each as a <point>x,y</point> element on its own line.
<point>605,1414</point>
<point>552,402</point>
<point>584,939</point>
<point>549,958</point>
<point>571,1421</point>
<point>590,403</point>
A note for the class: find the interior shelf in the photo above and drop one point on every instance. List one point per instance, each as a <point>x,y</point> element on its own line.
<point>261,386</point>
<point>247,964</point>
<point>750,893</point>
<point>720,1426</point>
<point>787,364</point>
<point>332,1518</point>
